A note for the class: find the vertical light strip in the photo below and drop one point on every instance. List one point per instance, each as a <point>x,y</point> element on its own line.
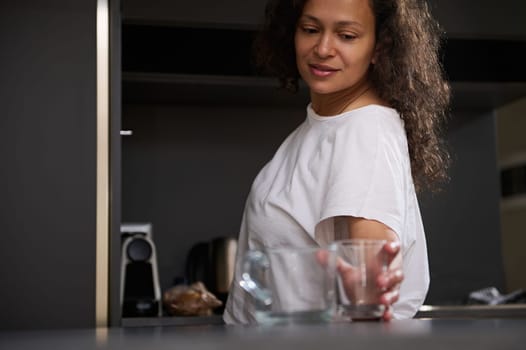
<point>102,246</point>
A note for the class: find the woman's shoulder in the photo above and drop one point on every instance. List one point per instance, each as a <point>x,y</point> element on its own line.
<point>372,111</point>
<point>373,118</point>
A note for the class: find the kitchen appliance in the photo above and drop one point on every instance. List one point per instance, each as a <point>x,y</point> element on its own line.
<point>223,260</point>
<point>140,290</point>
<point>212,262</point>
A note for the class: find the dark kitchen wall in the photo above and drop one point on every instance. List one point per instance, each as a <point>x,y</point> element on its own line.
<point>511,126</point>
<point>48,153</point>
<point>463,221</point>
<point>188,169</point>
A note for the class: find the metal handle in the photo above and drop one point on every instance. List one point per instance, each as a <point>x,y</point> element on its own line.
<point>254,264</point>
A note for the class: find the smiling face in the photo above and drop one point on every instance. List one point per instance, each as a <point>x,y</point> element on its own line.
<point>335,44</point>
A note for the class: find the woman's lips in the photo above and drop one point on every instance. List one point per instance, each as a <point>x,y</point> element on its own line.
<point>321,70</point>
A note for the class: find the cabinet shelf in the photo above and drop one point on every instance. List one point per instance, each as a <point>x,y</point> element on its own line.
<point>485,96</point>
<point>170,88</point>
<point>188,89</point>
<point>485,74</point>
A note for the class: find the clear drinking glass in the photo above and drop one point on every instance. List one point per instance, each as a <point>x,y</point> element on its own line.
<point>363,260</point>
<point>291,285</point>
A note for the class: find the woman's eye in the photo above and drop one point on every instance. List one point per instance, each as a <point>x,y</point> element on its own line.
<point>347,36</point>
<point>310,30</point>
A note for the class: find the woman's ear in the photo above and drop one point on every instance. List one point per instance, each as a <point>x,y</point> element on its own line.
<point>382,47</point>
<point>376,53</point>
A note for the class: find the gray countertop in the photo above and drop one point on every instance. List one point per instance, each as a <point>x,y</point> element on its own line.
<point>447,334</point>
<point>426,311</point>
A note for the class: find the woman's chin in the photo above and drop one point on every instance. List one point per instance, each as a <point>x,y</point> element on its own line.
<point>322,90</point>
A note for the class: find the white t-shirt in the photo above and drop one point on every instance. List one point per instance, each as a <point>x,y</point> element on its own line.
<point>352,164</point>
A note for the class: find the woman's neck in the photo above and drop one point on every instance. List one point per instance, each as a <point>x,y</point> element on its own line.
<point>344,100</point>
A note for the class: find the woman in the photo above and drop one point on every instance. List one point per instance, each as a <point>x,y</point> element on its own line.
<point>369,142</point>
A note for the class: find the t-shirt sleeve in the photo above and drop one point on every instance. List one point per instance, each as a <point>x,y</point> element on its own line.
<point>367,172</point>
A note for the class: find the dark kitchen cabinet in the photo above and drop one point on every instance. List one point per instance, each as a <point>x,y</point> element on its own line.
<point>481,18</point>
<point>459,18</point>
<point>48,148</point>
<point>50,127</point>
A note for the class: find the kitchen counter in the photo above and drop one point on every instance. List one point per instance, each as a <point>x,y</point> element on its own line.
<point>426,311</point>
<point>408,334</point>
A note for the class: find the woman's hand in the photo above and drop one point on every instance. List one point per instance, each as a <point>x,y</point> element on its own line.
<point>388,281</point>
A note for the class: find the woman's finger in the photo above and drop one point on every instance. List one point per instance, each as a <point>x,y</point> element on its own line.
<point>390,279</point>
<point>323,257</point>
<point>389,298</point>
<point>391,249</point>
<point>388,314</point>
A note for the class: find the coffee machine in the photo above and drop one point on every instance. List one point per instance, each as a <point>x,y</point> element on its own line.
<point>140,289</point>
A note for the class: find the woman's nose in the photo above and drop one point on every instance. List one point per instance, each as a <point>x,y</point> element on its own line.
<point>324,47</point>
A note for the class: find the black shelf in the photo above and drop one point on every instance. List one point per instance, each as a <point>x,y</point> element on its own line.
<point>223,52</point>
<point>212,90</point>
<point>183,50</point>
<point>184,89</point>
<point>165,64</point>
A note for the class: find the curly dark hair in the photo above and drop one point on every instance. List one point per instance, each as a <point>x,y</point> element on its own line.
<point>408,73</point>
